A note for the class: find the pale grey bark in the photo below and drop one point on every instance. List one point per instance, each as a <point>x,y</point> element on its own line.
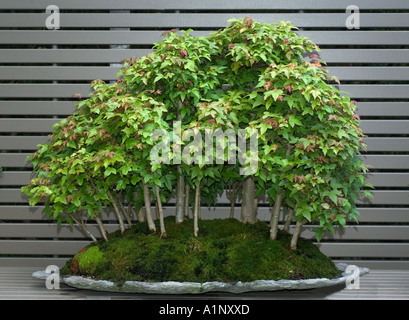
<point>290,215</point>
<point>187,199</point>
<point>275,215</point>
<point>141,215</point>
<point>117,212</point>
<point>232,202</point>
<point>102,228</point>
<point>148,208</point>
<point>196,211</point>
<point>180,196</point>
<point>180,188</point>
<point>124,211</point>
<point>160,213</point>
<point>248,209</point>
<point>81,223</point>
<point>296,235</point>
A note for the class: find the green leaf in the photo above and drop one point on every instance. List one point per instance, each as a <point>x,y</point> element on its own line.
<point>258,101</point>
<point>318,233</point>
<point>158,77</point>
<point>293,120</point>
<point>196,92</point>
<point>190,65</point>
<point>109,171</point>
<point>130,143</point>
<point>167,182</point>
<point>333,195</point>
<point>72,144</point>
<point>342,133</point>
<point>305,212</point>
<point>253,95</point>
<point>125,169</point>
<point>135,179</point>
<point>276,94</point>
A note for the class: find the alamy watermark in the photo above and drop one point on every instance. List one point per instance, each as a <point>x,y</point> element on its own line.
<point>352,280</point>
<point>352,21</point>
<point>208,146</point>
<point>53,280</point>
<point>53,20</point>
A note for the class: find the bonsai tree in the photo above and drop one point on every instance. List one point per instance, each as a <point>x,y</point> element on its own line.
<point>296,137</point>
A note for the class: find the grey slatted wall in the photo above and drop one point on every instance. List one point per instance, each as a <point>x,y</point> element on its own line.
<point>40,70</point>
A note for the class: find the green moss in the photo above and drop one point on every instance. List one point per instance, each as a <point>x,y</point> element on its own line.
<point>90,260</point>
<point>225,250</point>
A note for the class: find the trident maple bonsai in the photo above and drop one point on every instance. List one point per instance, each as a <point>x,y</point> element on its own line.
<point>251,79</point>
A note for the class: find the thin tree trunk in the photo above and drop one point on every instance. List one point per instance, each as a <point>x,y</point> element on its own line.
<point>287,224</point>
<point>102,228</point>
<point>141,215</point>
<point>180,188</point>
<point>248,210</point>
<point>187,199</point>
<point>296,235</point>
<point>180,196</point>
<point>232,201</point>
<point>256,207</point>
<point>277,206</point>
<point>129,210</point>
<point>84,227</point>
<point>117,212</point>
<point>160,213</point>
<point>196,210</point>
<point>124,211</point>
<point>275,215</point>
<point>103,231</point>
<point>148,208</point>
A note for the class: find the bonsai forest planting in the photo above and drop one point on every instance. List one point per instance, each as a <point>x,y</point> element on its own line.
<point>246,113</point>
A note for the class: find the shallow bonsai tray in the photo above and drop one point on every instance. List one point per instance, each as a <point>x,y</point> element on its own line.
<point>173,287</point>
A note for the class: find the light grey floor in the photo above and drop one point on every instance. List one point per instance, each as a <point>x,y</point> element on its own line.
<point>16,283</point>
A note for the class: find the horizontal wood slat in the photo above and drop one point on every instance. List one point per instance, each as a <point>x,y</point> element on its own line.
<point>385,126</point>
<point>38,247</point>
<point>365,250</point>
<point>43,230</point>
<point>14,160</point>
<point>385,197</point>
<point>18,160</point>
<point>45,125</point>
<point>370,73</point>
<point>21,143</point>
<point>97,55</point>
<point>387,144</point>
<point>387,161</point>
<point>67,107</point>
<point>19,178</point>
<point>28,108</point>
<point>27,125</point>
<point>204,5</point>
<point>365,55</point>
<point>58,73</point>
<point>387,91</point>
<point>372,215</point>
<point>352,232</point>
<point>387,109</point>
<point>373,144</point>
<point>148,37</point>
<point>75,56</point>
<point>197,20</point>
<point>110,73</point>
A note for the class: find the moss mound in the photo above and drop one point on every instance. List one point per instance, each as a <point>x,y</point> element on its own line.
<point>226,250</point>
